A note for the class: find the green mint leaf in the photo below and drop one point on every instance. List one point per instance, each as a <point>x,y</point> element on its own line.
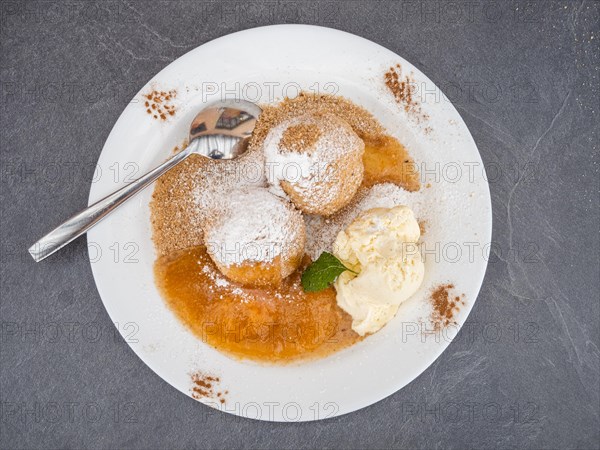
<point>321,273</point>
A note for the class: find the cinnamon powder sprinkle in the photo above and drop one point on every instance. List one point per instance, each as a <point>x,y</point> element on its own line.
<point>159,104</point>
<point>203,387</point>
<point>445,306</point>
<point>402,90</point>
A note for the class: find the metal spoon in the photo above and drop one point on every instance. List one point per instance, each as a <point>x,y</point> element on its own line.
<point>219,131</point>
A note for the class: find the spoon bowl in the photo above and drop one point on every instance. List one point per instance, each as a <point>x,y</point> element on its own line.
<point>221,129</point>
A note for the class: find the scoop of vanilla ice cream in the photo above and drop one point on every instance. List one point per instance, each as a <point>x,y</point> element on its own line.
<point>381,246</point>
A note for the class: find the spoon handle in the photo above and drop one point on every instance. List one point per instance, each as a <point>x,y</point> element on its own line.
<point>86,219</point>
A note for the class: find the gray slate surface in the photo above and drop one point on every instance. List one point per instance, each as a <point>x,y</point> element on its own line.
<point>524,371</point>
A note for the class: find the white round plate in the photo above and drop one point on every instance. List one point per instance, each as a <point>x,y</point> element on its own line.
<point>264,65</point>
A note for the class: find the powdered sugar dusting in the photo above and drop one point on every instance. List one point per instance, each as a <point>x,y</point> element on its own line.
<point>213,185</point>
<point>282,163</point>
<point>221,285</point>
<point>221,282</point>
<point>253,225</point>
